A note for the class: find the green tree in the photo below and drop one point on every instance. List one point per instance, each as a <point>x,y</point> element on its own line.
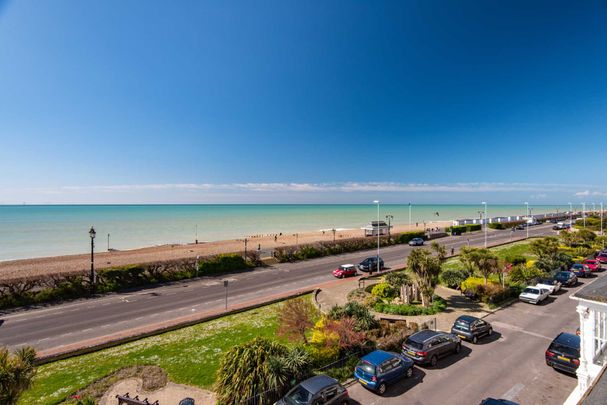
<point>16,373</point>
<point>256,367</point>
<point>482,261</point>
<point>425,265</point>
<point>549,257</point>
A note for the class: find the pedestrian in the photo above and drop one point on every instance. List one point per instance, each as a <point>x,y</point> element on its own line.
<point>452,251</point>
<point>258,246</point>
<point>275,238</point>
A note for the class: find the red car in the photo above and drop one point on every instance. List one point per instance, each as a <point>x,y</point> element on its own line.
<point>602,258</point>
<point>345,270</point>
<point>592,264</point>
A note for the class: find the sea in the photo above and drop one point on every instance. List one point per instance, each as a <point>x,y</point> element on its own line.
<point>29,231</point>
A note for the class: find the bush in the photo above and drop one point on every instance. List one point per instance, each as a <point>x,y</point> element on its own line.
<point>453,278</point>
<point>364,319</point>
<point>523,274</point>
<point>515,259</point>
<point>459,229</point>
<point>438,305</point>
<point>505,225</point>
<point>222,264</point>
<point>406,237</point>
<point>383,290</point>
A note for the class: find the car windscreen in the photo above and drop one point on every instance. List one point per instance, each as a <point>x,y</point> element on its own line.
<point>463,325</point>
<point>531,291</point>
<point>299,395</point>
<point>414,344</point>
<point>563,274</point>
<point>568,350</point>
<point>366,367</point>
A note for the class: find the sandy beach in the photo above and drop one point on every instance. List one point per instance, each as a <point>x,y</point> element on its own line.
<point>65,264</point>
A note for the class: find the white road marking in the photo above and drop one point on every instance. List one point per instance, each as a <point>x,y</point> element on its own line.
<point>513,392</point>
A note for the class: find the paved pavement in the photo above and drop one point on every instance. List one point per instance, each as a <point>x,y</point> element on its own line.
<point>508,365</point>
<point>55,327</point>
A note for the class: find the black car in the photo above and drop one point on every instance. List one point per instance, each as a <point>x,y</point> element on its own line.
<point>493,401</point>
<point>520,226</point>
<point>564,352</point>
<point>427,346</point>
<point>566,278</point>
<point>318,390</point>
<point>471,328</point>
<point>370,264</point>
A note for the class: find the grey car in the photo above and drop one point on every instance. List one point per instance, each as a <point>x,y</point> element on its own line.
<point>416,242</point>
<point>471,328</point>
<point>318,390</point>
<point>427,346</point>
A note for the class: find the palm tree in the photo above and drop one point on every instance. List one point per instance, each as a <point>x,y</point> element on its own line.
<point>16,373</point>
<point>483,261</point>
<point>258,367</point>
<point>426,267</point>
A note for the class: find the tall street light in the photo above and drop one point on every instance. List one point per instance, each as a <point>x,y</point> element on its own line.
<point>92,234</point>
<point>486,223</point>
<point>409,216</point>
<point>584,213</point>
<point>570,215</point>
<point>602,234</point>
<point>377,202</point>
<point>527,219</point>
<point>389,218</point>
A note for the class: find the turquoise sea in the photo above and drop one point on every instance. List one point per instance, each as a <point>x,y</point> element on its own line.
<point>28,231</point>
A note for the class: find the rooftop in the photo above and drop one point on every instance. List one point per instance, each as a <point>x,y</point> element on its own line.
<point>596,291</point>
<point>597,393</point>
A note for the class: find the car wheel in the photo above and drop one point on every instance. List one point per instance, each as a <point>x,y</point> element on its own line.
<point>433,361</point>
<point>458,347</point>
<point>409,373</point>
<point>474,339</point>
<point>381,390</point>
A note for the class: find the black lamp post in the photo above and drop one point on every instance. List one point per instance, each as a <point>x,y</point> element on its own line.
<point>92,234</point>
<point>389,218</point>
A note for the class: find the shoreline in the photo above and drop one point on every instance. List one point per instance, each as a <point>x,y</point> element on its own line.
<point>20,268</point>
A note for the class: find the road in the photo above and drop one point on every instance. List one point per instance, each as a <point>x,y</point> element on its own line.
<point>57,326</point>
<point>508,365</point>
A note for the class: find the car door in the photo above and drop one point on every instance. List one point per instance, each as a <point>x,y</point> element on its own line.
<point>481,327</point>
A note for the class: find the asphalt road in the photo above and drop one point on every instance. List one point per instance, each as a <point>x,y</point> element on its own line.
<point>508,365</point>
<point>56,326</point>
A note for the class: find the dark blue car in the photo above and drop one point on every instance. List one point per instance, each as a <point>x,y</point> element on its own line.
<point>378,369</point>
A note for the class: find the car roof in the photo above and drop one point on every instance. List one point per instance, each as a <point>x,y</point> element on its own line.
<point>377,357</point>
<point>568,339</point>
<point>317,383</point>
<point>467,318</point>
<point>424,335</point>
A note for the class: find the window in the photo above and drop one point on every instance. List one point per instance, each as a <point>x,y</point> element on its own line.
<point>600,333</point>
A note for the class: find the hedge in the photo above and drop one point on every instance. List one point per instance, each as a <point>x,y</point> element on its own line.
<point>505,225</point>
<point>459,229</point>
<point>406,237</point>
<point>49,288</point>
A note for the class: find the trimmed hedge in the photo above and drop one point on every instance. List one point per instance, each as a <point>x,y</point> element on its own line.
<point>459,229</point>
<point>42,289</point>
<point>406,237</point>
<point>438,305</point>
<point>505,225</point>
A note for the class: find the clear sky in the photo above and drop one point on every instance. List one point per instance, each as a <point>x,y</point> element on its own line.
<point>302,101</point>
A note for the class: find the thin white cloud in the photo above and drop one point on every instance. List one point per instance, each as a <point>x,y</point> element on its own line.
<point>350,187</point>
<point>588,193</point>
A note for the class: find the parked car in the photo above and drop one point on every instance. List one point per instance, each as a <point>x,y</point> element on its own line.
<point>580,270</point>
<point>427,346</point>
<point>566,278</point>
<point>416,242</point>
<point>470,328</point>
<point>592,264</point>
<point>370,264</point>
<point>602,257</point>
<point>345,270</point>
<point>534,295</point>
<point>564,352</point>
<point>550,284</point>
<point>378,369</point>
<point>520,227</point>
<point>493,401</point>
<point>320,389</point>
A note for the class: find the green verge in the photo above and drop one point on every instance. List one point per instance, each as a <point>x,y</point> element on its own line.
<point>190,356</point>
<point>510,250</point>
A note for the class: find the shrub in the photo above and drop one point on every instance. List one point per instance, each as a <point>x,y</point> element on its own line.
<point>515,259</point>
<point>505,225</point>
<point>406,237</point>
<point>222,264</point>
<point>453,278</point>
<point>383,290</point>
<point>459,229</point>
<point>438,305</point>
<point>364,319</point>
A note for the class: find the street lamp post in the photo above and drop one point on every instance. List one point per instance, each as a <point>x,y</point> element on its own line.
<point>108,242</point>
<point>333,230</point>
<point>196,236</point>
<point>245,248</point>
<point>584,213</point>
<point>92,234</point>
<point>527,219</point>
<point>389,218</point>
<point>377,202</point>
<point>409,216</point>
<point>486,223</point>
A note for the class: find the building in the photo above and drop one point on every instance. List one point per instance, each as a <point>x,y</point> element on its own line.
<point>374,227</point>
<point>591,376</point>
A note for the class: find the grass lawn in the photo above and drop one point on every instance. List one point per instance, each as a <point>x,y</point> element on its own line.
<point>511,249</point>
<point>190,355</point>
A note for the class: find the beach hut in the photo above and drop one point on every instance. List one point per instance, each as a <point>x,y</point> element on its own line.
<point>374,227</point>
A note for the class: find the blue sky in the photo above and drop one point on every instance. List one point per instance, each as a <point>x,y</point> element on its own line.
<point>290,101</point>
